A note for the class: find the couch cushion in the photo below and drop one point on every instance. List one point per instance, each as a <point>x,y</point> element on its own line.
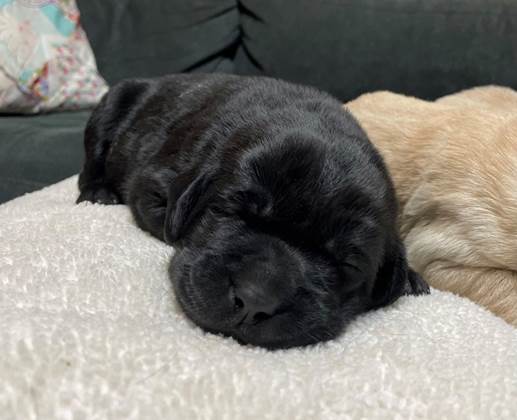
<point>39,150</point>
<point>133,38</point>
<point>423,48</point>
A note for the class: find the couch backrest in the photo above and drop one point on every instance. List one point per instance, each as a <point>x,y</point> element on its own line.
<point>425,48</point>
<point>136,38</point>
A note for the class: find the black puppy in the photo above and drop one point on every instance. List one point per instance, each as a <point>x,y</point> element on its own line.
<point>281,211</point>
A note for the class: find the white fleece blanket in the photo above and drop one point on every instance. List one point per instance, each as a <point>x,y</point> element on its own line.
<point>89,329</point>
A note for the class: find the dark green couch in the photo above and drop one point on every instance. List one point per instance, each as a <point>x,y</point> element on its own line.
<point>347,47</point>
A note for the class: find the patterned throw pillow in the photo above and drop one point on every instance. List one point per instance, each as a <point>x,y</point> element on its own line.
<point>46,62</point>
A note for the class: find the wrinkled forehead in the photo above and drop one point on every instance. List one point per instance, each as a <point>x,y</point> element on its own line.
<point>257,248</point>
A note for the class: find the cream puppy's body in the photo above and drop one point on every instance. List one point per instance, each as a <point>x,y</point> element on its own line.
<point>454,164</point>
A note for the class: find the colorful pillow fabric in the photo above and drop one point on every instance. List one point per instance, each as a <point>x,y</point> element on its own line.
<point>46,62</point>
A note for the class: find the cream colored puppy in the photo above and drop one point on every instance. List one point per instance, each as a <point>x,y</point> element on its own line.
<point>454,164</point>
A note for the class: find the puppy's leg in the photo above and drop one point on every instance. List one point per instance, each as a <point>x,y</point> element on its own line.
<point>116,110</point>
<point>495,289</point>
<point>92,180</point>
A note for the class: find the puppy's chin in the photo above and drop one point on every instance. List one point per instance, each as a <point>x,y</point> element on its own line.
<point>288,333</point>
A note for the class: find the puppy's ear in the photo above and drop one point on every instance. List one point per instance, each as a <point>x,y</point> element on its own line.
<point>395,278</point>
<point>188,197</point>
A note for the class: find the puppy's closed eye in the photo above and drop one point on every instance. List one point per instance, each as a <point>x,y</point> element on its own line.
<point>252,201</point>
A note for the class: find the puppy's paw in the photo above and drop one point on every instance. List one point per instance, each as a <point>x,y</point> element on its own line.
<point>100,195</point>
<point>416,285</point>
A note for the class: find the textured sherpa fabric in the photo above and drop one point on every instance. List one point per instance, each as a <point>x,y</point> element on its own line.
<point>89,329</point>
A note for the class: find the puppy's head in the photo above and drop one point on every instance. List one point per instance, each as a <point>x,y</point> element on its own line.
<point>244,270</point>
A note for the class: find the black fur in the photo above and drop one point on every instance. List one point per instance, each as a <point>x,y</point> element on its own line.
<point>281,211</point>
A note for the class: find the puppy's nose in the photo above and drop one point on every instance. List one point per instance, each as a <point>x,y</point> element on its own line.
<point>256,303</point>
